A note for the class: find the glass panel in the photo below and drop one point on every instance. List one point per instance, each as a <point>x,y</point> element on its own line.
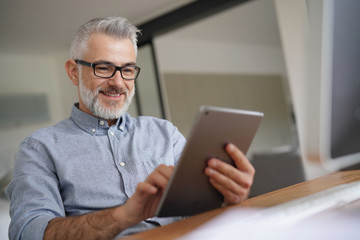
<point>147,87</point>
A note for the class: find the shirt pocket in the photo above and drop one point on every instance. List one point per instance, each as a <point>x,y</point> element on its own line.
<point>151,164</point>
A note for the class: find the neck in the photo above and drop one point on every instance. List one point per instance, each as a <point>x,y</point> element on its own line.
<point>111,122</point>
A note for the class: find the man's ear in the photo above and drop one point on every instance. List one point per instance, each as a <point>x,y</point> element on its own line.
<point>72,71</point>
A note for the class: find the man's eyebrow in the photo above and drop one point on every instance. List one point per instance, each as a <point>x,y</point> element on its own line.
<point>130,64</point>
<point>111,63</point>
<point>103,61</point>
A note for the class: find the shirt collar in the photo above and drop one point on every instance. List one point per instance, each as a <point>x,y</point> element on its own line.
<point>94,125</point>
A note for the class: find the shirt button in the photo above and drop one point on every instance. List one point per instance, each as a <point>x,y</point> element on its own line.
<point>102,122</point>
<point>122,164</point>
<point>93,130</point>
<point>112,134</point>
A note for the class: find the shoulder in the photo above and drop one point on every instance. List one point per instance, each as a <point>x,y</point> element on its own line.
<point>149,122</point>
<point>47,134</point>
<point>153,126</point>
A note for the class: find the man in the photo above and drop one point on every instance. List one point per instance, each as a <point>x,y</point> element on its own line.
<point>100,174</point>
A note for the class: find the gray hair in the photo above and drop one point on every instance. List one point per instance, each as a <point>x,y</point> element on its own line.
<point>118,27</point>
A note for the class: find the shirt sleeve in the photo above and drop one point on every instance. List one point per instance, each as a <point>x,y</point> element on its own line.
<point>33,191</point>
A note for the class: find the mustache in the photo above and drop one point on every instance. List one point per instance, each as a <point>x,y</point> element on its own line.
<point>113,90</point>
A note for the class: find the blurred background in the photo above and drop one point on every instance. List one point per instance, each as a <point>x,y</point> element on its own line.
<point>222,53</point>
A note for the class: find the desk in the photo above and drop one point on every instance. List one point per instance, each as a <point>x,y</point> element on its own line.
<point>182,227</point>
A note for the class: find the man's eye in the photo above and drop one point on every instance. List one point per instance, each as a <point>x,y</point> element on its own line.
<point>103,68</point>
<point>128,70</point>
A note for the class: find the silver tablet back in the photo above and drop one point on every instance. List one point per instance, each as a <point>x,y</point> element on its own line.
<point>189,191</point>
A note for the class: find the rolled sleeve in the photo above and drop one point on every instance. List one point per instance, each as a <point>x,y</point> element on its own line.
<point>33,230</point>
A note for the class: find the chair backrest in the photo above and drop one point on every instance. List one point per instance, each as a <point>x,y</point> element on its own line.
<point>276,169</point>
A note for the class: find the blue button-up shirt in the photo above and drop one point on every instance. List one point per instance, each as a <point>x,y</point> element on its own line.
<point>82,165</point>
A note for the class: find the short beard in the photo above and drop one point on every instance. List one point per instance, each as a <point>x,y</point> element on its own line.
<point>90,99</point>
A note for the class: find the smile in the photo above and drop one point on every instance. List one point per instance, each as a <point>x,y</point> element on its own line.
<point>112,94</point>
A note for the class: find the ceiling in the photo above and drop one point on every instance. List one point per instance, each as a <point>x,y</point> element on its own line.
<point>44,24</point>
<point>253,23</point>
<point>49,24</point>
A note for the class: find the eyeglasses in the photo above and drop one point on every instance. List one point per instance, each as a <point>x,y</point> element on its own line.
<point>108,70</point>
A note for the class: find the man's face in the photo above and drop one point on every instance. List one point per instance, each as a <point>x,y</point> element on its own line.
<point>102,97</point>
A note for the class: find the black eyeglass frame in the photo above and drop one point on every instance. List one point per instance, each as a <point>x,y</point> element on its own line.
<point>117,68</point>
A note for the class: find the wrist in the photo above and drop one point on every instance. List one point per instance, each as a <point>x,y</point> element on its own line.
<point>123,218</point>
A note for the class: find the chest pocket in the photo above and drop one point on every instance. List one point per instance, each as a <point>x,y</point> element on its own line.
<point>151,164</point>
<point>139,173</point>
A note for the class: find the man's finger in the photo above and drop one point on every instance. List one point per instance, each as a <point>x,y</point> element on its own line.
<point>232,195</point>
<point>240,160</point>
<point>160,176</point>
<point>146,187</point>
<point>239,177</point>
<point>226,184</point>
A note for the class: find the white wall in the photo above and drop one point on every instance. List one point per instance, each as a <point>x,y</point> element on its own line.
<point>176,55</point>
<point>201,48</point>
<point>186,55</point>
<point>29,73</point>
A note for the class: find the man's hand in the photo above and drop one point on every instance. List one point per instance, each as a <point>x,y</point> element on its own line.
<point>232,182</point>
<point>143,203</point>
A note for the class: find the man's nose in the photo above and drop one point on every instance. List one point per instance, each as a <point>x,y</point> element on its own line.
<point>117,79</point>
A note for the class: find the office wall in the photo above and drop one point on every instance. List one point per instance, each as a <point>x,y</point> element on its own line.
<point>262,93</point>
<point>33,73</point>
<point>242,63</point>
<point>206,64</point>
<point>186,51</point>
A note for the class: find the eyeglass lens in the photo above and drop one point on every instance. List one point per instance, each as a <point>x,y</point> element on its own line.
<point>107,70</point>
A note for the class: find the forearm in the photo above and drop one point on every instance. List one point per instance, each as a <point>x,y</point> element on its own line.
<point>105,224</point>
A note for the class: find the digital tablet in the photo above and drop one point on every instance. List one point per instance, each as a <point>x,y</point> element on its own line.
<point>189,191</point>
